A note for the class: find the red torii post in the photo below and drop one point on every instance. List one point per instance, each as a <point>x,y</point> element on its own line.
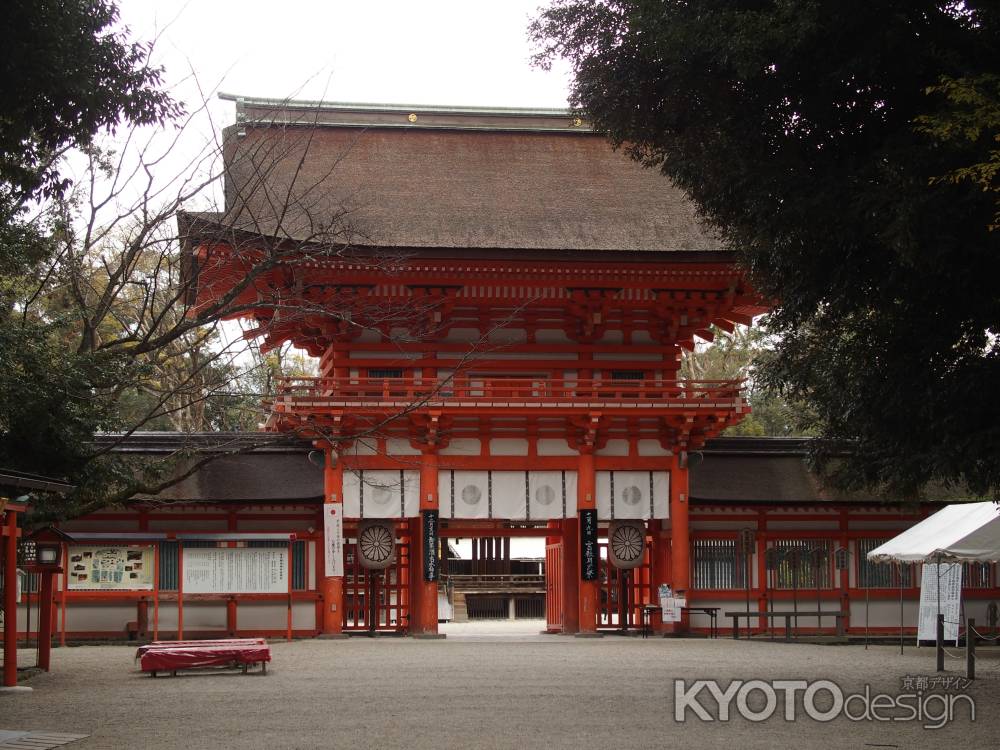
<point>10,534</point>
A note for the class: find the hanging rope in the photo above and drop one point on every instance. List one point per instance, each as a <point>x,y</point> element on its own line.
<point>982,637</point>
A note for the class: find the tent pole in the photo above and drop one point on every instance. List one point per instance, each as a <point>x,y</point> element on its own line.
<point>866,612</point>
<point>900,572</point>
<point>938,591</point>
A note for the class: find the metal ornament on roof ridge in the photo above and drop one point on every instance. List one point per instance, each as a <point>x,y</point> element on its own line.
<point>376,544</point>
<point>626,544</point>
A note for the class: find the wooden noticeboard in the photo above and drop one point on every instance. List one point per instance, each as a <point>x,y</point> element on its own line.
<point>430,536</point>
<point>589,554</point>
<point>238,570</point>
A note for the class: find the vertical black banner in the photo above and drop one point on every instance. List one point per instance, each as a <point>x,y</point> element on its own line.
<point>588,545</point>
<point>430,529</point>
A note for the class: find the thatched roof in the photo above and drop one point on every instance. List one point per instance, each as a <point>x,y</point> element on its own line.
<point>450,178</point>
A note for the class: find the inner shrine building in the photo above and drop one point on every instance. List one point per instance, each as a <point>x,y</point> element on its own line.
<point>498,302</point>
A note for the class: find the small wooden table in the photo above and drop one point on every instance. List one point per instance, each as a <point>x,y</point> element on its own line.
<point>788,615</point>
<point>713,618</point>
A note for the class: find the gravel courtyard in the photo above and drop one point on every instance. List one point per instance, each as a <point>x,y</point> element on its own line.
<point>505,689</point>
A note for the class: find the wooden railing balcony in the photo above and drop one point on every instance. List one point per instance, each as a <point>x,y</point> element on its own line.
<point>310,394</point>
<point>495,582</point>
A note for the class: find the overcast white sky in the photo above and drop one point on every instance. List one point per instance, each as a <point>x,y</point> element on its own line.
<point>462,52</point>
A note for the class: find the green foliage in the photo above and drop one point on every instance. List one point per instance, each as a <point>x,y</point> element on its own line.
<point>797,130</point>
<point>68,72</point>
<point>971,114</point>
<point>740,355</point>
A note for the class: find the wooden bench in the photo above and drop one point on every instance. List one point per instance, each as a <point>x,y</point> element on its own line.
<point>789,616</point>
<point>174,656</point>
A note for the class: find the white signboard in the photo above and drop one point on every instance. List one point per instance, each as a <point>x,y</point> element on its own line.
<point>236,570</point>
<point>946,579</point>
<point>333,538</point>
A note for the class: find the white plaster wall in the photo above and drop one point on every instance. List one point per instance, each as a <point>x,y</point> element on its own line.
<point>167,618</point>
<point>614,448</point>
<point>400,447</point>
<point>462,335</point>
<point>272,616</point>
<point>204,616</point>
<point>462,447</point>
<point>507,336</point>
<point>652,448</point>
<point>91,617</point>
<point>552,336</point>
<point>508,447</point>
<point>554,447</point>
<point>976,608</point>
<point>885,613</point>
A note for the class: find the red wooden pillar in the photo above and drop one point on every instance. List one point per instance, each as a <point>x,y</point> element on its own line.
<point>589,591</point>
<point>232,624</point>
<point>10,600</point>
<point>415,596</point>
<point>680,540</point>
<point>331,588</point>
<point>45,622</point>
<point>424,598</point>
<point>571,575</point>
<point>659,569</point>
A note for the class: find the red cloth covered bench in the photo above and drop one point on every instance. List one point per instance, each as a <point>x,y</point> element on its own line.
<point>174,656</point>
<point>182,644</point>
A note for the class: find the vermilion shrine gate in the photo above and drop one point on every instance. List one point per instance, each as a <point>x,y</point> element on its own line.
<point>499,344</point>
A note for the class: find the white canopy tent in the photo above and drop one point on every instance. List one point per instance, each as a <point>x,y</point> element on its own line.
<point>964,532</point>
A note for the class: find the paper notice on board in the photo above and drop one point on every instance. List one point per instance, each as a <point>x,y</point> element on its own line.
<point>671,607</point>
<point>333,539</point>
<point>235,570</point>
<point>946,579</point>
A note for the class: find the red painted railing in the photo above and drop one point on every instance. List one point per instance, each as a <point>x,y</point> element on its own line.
<point>473,390</point>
